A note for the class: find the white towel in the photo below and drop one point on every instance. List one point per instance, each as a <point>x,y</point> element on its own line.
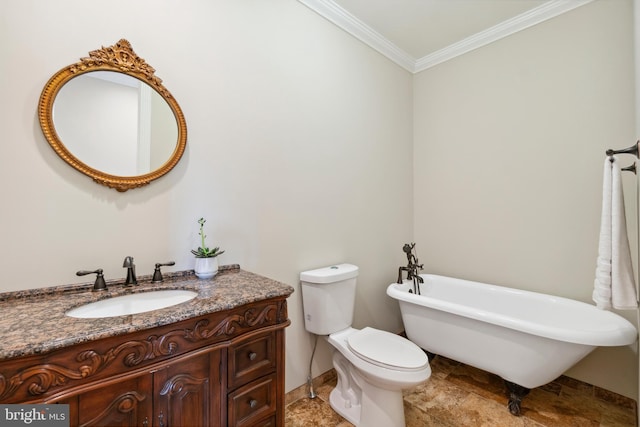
<point>614,285</point>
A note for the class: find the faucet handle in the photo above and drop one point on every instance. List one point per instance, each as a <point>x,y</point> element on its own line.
<point>157,274</point>
<point>100,284</point>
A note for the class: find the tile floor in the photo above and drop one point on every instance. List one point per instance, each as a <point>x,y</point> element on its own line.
<point>458,395</point>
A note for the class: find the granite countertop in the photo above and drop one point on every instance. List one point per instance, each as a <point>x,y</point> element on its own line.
<point>34,321</point>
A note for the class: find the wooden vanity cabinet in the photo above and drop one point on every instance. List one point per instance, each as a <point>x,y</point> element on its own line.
<point>222,369</point>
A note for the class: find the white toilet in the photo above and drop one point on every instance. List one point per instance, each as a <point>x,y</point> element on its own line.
<point>373,366</point>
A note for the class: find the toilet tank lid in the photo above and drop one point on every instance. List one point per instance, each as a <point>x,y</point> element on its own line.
<point>331,274</point>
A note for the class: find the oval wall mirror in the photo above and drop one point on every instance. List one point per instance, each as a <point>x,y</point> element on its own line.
<point>109,117</point>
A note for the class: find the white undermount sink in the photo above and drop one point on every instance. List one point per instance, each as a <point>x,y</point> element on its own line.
<point>132,304</point>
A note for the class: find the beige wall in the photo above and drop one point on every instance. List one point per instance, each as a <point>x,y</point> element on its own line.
<point>509,147</point>
<point>298,155</point>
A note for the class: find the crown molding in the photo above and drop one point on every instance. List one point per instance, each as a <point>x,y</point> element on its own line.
<point>506,28</point>
<point>352,25</point>
<point>349,23</point>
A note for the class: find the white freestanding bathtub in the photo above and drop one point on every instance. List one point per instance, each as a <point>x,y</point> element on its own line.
<point>527,338</point>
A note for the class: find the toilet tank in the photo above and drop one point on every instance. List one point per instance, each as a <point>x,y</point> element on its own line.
<point>328,298</point>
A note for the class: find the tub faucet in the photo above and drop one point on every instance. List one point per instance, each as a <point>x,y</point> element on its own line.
<point>412,268</point>
<point>131,271</point>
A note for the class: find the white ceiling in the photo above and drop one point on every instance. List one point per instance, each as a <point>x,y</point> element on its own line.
<point>418,34</point>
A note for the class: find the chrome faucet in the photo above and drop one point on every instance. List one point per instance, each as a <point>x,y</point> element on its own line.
<point>131,271</point>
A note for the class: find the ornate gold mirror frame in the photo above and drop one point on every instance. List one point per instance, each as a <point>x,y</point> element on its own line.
<point>118,58</point>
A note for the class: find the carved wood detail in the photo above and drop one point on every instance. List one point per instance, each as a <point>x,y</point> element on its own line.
<point>282,312</point>
<point>43,377</point>
<point>124,404</point>
<point>182,384</point>
<point>251,318</point>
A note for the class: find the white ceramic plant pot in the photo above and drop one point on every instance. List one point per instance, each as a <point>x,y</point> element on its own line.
<point>206,268</point>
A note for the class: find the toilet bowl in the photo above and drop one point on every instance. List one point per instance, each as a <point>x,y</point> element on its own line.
<point>373,366</point>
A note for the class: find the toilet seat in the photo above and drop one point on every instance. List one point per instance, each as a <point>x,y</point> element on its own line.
<point>387,350</point>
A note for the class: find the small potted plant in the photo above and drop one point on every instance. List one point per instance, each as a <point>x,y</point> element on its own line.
<point>206,258</point>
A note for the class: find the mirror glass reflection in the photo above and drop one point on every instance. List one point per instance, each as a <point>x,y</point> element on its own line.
<point>115,123</point>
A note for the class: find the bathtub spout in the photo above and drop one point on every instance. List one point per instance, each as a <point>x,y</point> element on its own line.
<point>516,394</point>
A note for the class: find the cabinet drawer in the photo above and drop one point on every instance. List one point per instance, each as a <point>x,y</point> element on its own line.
<point>251,359</point>
<point>254,402</point>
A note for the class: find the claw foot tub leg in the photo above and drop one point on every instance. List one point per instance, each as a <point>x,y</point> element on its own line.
<point>516,393</point>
